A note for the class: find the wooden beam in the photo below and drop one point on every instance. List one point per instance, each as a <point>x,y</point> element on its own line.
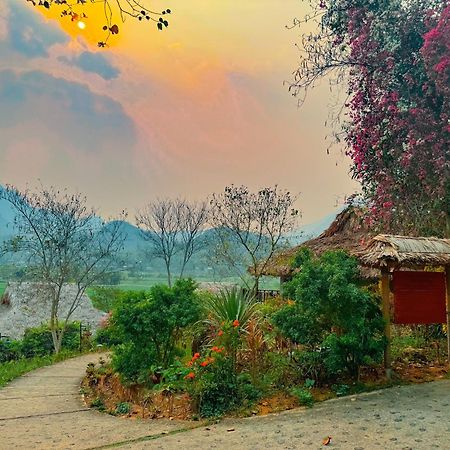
<point>447,303</point>
<point>386,302</point>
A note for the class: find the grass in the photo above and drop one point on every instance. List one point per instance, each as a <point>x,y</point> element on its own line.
<point>14,369</point>
<point>2,287</point>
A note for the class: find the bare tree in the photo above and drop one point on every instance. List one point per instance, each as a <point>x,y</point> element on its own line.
<point>173,226</point>
<point>254,222</point>
<point>194,217</point>
<point>64,242</point>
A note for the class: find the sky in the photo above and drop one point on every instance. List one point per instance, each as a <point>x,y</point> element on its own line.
<point>183,112</point>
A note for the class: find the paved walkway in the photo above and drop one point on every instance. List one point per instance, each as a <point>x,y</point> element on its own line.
<point>43,410</point>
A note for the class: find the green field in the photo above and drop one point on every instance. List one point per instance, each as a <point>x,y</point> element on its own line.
<point>2,287</point>
<point>146,282</point>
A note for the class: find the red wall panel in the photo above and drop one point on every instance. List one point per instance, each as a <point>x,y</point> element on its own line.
<point>419,297</point>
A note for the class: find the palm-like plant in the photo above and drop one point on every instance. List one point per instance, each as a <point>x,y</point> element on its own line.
<point>230,305</point>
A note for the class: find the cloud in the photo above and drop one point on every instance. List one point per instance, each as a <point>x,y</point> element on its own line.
<point>26,33</point>
<point>93,62</point>
<point>63,110</point>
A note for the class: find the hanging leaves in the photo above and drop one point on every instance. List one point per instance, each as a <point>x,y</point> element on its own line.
<point>124,7</point>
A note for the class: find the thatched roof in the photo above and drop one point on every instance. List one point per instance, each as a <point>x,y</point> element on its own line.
<point>348,232</point>
<point>388,250</point>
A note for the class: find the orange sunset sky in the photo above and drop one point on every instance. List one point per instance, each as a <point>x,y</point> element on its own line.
<point>179,112</point>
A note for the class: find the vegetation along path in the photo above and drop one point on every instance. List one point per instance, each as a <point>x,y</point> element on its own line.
<point>44,410</point>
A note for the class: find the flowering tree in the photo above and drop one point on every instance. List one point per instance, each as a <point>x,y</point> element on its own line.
<point>394,57</point>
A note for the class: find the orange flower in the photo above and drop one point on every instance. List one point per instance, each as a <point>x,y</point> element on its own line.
<point>204,363</point>
<point>215,349</point>
<point>190,376</point>
<point>190,363</point>
<point>196,356</point>
<point>235,323</point>
<point>220,333</point>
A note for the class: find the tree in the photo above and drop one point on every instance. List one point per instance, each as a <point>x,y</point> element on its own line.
<point>173,226</point>
<point>75,11</point>
<point>64,242</point>
<point>394,57</point>
<point>150,326</point>
<point>332,316</point>
<point>254,222</point>
<point>194,218</point>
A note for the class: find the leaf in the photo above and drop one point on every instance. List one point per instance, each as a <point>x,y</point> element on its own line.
<point>114,29</point>
<point>160,26</point>
<point>46,5</point>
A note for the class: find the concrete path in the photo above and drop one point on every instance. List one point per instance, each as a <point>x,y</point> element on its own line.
<point>43,410</point>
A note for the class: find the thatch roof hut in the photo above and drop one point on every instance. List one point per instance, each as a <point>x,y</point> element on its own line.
<point>348,232</point>
<point>385,251</point>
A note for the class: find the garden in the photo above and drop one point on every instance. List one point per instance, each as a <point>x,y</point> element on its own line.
<point>182,353</point>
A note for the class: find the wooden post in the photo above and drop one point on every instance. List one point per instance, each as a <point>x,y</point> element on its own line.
<point>447,303</point>
<point>385,296</point>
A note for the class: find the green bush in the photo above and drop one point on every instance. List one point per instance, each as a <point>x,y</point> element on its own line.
<point>332,314</point>
<point>107,337</point>
<point>9,350</point>
<point>215,388</point>
<point>150,325</point>
<point>38,341</point>
<point>123,408</point>
<point>304,396</point>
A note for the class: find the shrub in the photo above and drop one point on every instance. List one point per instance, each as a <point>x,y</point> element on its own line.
<point>123,408</point>
<point>230,305</point>
<point>107,337</point>
<point>9,350</point>
<point>38,341</point>
<point>149,326</point>
<point>303,396</point>
<point>213,384</point>
<point>332,314</point>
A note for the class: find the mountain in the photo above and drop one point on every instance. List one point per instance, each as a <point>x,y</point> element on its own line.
<point>6,220</point>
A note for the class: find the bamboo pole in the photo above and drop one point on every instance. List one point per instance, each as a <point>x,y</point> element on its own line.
<point>385,296</point>
<point>447,303</point>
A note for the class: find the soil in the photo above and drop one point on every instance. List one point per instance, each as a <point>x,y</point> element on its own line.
<point>151,404</point>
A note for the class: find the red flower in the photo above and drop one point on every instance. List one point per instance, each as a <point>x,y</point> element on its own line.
<point>204,363</point>
<point>220,333</point>
<point>235,323</point>
<point>190,376</point>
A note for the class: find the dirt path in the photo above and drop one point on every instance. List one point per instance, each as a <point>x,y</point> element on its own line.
<point>43,410</point>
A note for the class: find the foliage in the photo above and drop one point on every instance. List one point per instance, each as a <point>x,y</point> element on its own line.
<point>38,341</point>
<point>150,325</point>
<point>304,396</point>
<point>9,350</point>
<point>123,408</point>
<point>333,316</point>
<point>230,305</point>
<point>98,403</point>
<point>394,57</point>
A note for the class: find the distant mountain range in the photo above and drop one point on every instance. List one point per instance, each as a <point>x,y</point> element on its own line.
<point>137,251</point>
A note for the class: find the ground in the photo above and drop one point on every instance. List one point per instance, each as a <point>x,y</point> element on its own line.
<point>44,410</point>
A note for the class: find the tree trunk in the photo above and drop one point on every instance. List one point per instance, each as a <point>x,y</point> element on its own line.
<point>169,276</point>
